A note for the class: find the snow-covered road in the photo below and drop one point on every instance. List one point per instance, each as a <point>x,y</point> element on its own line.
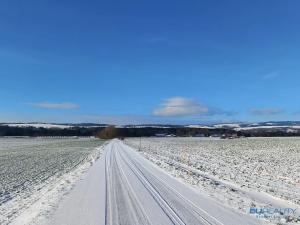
<point>125,188</point>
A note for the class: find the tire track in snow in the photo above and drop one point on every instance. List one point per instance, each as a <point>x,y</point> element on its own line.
<point>123,188</point>
<point>122,204</point>
<point>186,211</point>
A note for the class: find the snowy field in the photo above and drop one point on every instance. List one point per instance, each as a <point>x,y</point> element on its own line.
<point>35,173</point>
<point>125,188</point>
<point>240,173</point>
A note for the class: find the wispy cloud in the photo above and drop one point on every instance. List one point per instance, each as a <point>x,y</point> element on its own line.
<point>216,111</point>
<point>52,105</point>
<point>181,107</point>
<point>266,111</point>
<point>186,107</point>
<point>271,75</point>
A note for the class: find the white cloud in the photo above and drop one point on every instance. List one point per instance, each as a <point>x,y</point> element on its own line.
<point>266,111</point>
<point>180,106</point>
<point>52,105</point>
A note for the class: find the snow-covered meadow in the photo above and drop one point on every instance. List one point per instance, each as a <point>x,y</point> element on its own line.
<point>240,173</point>
<point>35,173</point>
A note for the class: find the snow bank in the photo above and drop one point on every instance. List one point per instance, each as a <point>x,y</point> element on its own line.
<point>242,173</point>
<point>41,204</point>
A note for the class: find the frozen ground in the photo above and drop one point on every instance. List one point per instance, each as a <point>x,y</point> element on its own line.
<point>35,173</point>
<point>241,173</point>
<point>124,188</point>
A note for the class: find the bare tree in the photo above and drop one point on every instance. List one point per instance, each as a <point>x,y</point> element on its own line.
<point>109,132</point>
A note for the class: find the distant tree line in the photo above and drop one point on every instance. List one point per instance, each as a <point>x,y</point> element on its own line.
<point>34,132</point>
<point>267,133</point>
<point>112,132</point>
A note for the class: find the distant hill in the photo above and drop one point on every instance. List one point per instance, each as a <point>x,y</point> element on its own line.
<point>272,128</point>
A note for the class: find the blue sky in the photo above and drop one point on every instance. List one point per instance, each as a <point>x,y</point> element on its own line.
<point>149,61</point>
